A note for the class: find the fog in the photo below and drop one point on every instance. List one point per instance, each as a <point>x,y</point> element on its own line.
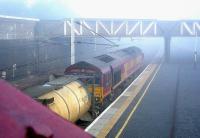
<point>133,9</point>
<point>182,49</point>
<point>149,46</point>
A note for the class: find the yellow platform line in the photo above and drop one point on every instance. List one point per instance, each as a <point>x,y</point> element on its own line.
<point>136,106</point>
<point>134,91</point>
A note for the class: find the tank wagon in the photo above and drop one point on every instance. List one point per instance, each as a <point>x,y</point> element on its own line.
<point>97,79</point>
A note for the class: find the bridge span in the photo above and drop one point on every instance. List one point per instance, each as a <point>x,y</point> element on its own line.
<point>132,28</point>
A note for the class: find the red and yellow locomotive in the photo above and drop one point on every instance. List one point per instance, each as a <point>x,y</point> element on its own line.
<point>102,74</point>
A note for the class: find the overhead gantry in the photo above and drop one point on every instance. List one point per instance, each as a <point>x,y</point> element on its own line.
<point>131,28</point>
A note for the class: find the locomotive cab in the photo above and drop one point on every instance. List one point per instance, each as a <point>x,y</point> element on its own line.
<point>90,75</point>
<point>101,75</point>
<point>92,78</point>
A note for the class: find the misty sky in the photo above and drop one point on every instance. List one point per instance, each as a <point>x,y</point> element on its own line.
<point>138,9</point>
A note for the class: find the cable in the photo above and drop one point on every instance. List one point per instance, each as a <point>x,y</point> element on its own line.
<point>79,42</point>
<point>113,43</point>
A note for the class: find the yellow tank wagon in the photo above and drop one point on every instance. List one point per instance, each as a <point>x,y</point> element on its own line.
<point>71,101</point>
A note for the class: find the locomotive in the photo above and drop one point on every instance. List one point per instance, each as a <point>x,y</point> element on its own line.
<point>87,84</point>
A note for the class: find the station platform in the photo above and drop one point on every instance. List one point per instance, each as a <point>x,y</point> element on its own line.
<point>162,102</point>
<point>170,107</point>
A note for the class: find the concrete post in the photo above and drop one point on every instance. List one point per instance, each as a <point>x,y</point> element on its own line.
<point>72,39</point>
<point>72,43</point>
<point>167,40</point>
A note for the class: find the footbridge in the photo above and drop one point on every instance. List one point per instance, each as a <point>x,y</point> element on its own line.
<point>132,28</point>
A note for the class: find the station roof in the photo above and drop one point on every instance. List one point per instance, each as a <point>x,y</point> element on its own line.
<point>18,18</point>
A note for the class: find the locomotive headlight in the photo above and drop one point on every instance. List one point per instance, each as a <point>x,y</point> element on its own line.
<point>96,99</point>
